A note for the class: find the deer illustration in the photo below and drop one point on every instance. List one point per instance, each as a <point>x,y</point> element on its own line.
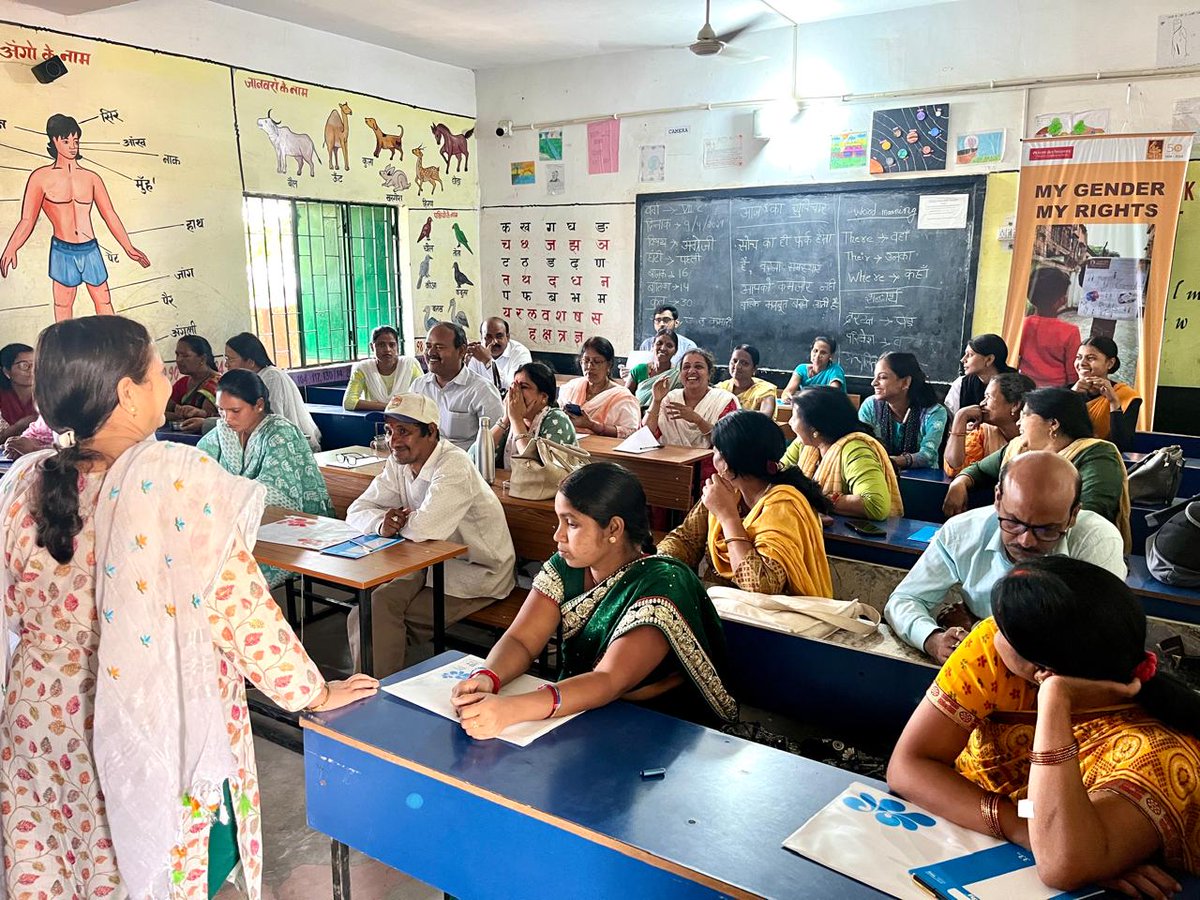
<point>453,145</point>
<point>392,142</point>
<point>431,174</point>
<point>337,135</point>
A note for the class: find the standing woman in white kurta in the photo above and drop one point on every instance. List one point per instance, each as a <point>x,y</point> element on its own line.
<point>139,613</point>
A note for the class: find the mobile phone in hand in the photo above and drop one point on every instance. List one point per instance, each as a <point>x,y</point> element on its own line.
<point>573,409</point>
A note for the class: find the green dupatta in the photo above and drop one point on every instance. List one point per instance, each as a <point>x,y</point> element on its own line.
<point>658,591</point>
<point>278,457</point>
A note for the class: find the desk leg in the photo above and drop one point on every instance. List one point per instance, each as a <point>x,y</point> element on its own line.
<point>439,608</point>
<point>341,870</point>
<point>366,644</point>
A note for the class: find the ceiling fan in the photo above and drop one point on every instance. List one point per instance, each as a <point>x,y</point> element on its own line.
<point>709,43</point>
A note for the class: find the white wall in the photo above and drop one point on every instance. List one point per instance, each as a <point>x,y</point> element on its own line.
<point>935,47</point>
<point>211,31</point>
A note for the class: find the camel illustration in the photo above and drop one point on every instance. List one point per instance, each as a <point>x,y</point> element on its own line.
<point>431,174</point>
<point>392,142</point>
<point>453,145</point>
<point>337,135</point>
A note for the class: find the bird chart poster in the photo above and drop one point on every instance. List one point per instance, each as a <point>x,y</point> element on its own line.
<point>443,249</point>
<point>909,139</point>
<point>156,217</point>
<point>561,274</point>
<point>302,140</point>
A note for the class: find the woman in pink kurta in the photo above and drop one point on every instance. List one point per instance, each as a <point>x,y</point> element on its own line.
<point>125,713</point>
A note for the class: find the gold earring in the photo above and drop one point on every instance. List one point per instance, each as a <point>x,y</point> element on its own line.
<point>612,540</point>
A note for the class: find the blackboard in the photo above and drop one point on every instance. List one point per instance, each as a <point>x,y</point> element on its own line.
<point>774,267</point>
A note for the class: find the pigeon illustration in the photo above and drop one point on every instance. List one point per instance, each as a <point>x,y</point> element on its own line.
<point>425,230</point>
<point>461,279</point>
<point>462,238</point>
<point>423,271</point>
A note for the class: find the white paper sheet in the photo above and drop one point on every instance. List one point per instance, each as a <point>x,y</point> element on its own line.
<point>639,442</point>
<point>431,691</point>
<point>942,211</point>
<point>308,534</point>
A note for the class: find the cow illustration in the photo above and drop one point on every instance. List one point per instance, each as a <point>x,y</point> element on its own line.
<point>289,144</point>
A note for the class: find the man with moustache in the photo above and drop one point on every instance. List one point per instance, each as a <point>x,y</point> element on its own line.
<point>429,491</point>
<point>1036,514</point>
<point>461,396</point>
<point>497,356</point>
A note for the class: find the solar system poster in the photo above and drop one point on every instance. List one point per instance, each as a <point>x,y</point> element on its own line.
<point>909,139</point>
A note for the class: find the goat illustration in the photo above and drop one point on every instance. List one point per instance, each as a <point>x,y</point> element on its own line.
<point>289,144</point>
<point>394,178</point>
<point>453,145</point>
<point>392,142</point>
<point>431,174</point>
<point>337,135</point>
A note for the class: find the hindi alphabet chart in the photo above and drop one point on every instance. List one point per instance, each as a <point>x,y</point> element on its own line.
<point>561,274</point>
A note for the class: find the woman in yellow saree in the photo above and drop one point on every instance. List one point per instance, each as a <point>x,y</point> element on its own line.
<point>757,525</point>
<point>1054,700</point>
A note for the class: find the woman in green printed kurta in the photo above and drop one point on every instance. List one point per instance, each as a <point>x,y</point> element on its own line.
<point>635,626</point>
<point>253,442</point>
<point>530,411</point>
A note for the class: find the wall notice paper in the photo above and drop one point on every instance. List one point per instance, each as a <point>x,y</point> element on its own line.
<point>604,141</point>
<point>1186,115</point>
<point>942,211</point>
<point>723,152</point>
<point>307,533</point>
<point>1179,40</point>
<point>556,178</point>
<point>1113,287</point>
<point>878,839</point>
<point>652,162</point>
<point>431,691</point>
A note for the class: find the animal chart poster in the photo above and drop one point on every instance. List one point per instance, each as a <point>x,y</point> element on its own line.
<point>170,170</point>
<point>561,274</point>
<point>302,140</point>
<point>443,250</point>
<point>909,139</point>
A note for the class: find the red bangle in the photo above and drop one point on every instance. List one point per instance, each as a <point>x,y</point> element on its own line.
<point>495,679</point>
<point>556,694</point>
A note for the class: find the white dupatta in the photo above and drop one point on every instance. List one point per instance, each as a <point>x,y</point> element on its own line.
<point>680,432</point>
<point>376,389</point>
<point>165,521</point>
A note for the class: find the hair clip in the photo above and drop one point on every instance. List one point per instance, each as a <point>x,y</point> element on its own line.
<point>65,439</point>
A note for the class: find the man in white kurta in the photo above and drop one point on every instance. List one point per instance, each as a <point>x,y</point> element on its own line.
<point>430,491</point>
<point>496,356</point>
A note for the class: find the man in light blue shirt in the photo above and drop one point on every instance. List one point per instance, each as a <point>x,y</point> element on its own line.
<point>462,396</point>
<point>667,317</point>
<point>1036,514</point>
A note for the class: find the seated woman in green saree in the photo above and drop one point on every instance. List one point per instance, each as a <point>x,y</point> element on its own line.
<point>253,442</point>
<point>635,626</point>
<point>644,376</point>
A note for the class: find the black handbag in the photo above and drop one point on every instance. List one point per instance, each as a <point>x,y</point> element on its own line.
<point>1156,478</point>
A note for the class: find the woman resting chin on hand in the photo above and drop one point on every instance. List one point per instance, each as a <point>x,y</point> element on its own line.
<point>1053,699</point>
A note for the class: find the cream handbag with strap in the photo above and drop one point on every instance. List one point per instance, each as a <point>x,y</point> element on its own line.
<point>538,471</point>
<point>815,617</point>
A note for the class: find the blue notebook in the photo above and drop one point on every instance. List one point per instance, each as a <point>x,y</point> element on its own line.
<point>924,535</point>
<point>364,545</point>
<point>998,873</point>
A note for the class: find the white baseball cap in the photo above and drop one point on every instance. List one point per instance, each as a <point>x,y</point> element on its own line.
<point>416,409</point>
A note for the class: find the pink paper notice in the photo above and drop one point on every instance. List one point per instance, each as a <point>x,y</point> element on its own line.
<point>604,141</point>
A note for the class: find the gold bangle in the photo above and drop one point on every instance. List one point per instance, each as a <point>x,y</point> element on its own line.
<point>1054,757</point>
<point>323,699</point>
<point>989,808</point>
<point>730,540</point>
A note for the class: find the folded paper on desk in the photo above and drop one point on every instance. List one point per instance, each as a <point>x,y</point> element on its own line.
<point>639,442</point>
<point>431,691</point>
<point>880,840</point>
<point>308,533</point>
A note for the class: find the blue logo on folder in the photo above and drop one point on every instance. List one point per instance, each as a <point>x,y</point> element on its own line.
<point>889,812</point>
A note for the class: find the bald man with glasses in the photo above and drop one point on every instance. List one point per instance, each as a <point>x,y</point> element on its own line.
<point>1036,514</point>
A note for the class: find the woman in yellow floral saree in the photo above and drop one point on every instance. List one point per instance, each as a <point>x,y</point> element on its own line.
<point>1054,700</point>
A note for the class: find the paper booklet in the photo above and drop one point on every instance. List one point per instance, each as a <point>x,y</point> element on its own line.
<point>882,841</point>
<point>431,691</point>
<point>639,442</point>
<point>307,533</point>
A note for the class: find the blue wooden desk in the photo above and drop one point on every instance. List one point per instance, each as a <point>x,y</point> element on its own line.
<point>1149,441</point>
<point>327,394</point>
<point>896,549</point>
<point>341,427</point>
<point>568,813</point>
<point>178,437</point>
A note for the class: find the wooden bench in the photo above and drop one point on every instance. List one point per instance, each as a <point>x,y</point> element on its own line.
<point>497,617</point>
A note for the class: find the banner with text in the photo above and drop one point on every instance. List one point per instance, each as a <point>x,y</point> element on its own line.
<point>1090,213</point>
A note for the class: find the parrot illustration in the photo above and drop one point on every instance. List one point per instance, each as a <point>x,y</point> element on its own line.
<point>462,238</point>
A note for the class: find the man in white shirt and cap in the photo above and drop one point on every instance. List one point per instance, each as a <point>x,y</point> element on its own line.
<point>496,356</point>
<point>429,490</point>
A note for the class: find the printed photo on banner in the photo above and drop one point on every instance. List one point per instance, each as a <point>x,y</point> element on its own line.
<point>1095,231</point>
<point>979,148</point>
